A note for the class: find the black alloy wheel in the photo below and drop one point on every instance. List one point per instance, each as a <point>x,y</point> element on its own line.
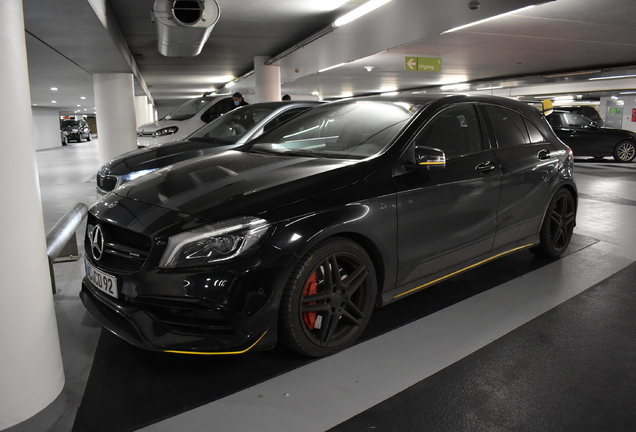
<point>624,151</point>
<point>329,298</point>
<point>558,225</point>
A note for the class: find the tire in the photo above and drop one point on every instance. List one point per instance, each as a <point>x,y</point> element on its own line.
<point>558,225</point>
<point>624,151</point>
<point>89,137</point>
<point>320,314</point>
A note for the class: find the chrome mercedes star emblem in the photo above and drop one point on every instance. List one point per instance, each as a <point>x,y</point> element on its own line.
<point>97,243</point>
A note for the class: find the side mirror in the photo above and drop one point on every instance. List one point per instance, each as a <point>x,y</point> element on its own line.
<point>429,158</point>
<point>547,107</point>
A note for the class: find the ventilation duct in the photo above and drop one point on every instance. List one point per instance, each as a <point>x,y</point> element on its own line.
<point>183,26</point>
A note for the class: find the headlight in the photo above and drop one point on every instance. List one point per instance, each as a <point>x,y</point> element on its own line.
<point>216,242</point>
<point>75,130</point>
<point>133,175</point>
<point>165,131</point>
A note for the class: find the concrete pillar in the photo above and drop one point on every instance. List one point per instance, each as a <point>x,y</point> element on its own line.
<point>141,110</point>
<point>31,373</point>
<point>267,80</point>
<point>152,113</point>
<point>115,112</point>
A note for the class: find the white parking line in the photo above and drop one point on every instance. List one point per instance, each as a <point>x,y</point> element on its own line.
<point>327,392</point>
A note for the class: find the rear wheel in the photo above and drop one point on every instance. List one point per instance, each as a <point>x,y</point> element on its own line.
<point>558,225</point>
<point>625,151</point>
<point>329,298</point>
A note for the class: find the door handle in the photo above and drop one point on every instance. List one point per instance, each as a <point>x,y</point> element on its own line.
<point>544,154</point>
<point>484,167</point>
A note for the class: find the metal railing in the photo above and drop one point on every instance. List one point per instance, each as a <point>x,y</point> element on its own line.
<point>61,240</point>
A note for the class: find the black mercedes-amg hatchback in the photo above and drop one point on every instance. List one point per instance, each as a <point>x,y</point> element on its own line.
<point>298,236</point>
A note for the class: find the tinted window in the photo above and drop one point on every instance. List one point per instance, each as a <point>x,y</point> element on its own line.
<point>283,117</point>
<point>190,108</point>
<point>554,120</point>
<point>575,120</point>
<point>340,130</point>
<point>535,134</point>
<point>508,126</point>
<point>228,128</point>
<point>455,131</point>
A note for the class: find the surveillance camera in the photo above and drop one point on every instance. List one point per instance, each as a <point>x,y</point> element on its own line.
<point>473,5</point>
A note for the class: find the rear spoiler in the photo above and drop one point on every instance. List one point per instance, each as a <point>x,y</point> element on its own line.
<point>547,107</point>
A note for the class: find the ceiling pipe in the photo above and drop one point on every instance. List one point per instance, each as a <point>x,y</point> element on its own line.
<point>183,26</point>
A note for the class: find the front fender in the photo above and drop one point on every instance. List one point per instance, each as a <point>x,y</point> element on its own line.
<point>371,223</point>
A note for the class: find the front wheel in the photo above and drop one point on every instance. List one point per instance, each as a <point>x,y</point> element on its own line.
<point>329,298</point>
<point>558,225</point>
<point>624,151</point>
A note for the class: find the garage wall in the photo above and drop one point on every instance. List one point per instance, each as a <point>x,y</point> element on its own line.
<point>628,111</point>
<point>46,128</point>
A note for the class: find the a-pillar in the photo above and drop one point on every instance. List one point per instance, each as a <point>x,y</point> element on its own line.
<point>267,80</point>
<point>115,114</point>
<point>31,372</point>
<point>141,110</point>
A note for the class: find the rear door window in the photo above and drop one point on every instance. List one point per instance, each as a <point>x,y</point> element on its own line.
<point>508,126</point>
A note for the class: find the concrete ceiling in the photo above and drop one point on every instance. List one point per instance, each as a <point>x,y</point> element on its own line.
<point>554,47</point>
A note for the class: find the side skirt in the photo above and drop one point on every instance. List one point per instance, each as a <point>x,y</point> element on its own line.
<point>411,288</point>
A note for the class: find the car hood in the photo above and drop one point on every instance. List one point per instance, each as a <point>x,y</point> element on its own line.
<point>161,156</point>
<point>159,124</point>
<point>239,183</point>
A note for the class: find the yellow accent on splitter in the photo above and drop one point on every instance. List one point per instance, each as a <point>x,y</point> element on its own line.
<point>219,353</point>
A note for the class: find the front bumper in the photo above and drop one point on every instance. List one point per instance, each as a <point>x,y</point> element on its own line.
<point>227,309</point>
<point>154,332</point>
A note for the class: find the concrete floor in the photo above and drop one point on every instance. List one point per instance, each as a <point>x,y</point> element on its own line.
<point>516,345</point>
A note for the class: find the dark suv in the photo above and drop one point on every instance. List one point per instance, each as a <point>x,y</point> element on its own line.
<point>586,138</point>
<point>75,130</point>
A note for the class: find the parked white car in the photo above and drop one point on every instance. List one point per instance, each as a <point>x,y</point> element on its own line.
<point>184,120</point>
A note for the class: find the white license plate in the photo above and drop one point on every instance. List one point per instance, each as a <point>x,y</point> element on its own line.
<point>102,281</point>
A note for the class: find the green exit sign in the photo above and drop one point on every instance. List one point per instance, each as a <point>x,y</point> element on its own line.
<point>423,64</point>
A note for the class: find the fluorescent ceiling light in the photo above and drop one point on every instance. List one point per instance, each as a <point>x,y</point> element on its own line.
<point>629,92</point>
<point>220,78</point>
<point>486,20</point>
<point>393,93</point>
<point>331,67</point>
<point>359,11</point>
<point>490,88</point>
<point>611,77</point>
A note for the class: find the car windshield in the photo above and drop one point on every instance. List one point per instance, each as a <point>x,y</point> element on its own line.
<point>353,130</point>
<point>230,127</point>
<point>70,123</point>
<point>189,109</point>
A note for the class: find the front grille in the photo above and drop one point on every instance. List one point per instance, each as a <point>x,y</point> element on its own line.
<point>107,183</point>
<point>125,251</point>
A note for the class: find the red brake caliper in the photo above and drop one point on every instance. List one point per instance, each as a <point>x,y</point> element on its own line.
<point>309,318</point>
